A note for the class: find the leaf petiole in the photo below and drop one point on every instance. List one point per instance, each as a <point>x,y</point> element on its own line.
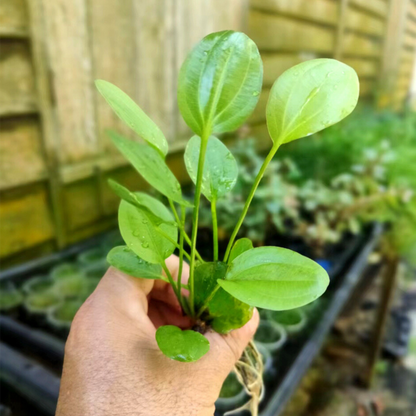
<point>207,301</point>
<point>214,227</point>
<point>259,177</point>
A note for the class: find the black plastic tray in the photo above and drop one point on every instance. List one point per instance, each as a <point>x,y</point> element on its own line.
<point>46,347</point>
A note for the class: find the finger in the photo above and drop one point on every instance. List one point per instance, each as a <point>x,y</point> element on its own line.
<point>233,344</point>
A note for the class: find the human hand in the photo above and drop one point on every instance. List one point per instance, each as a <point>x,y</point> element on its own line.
<point>113,365</point>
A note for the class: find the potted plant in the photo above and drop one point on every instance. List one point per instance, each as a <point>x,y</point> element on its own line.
<point>293,320</point>
<point>72,286</point>
<point>232,394</point>
<point>38,304</point>
<point>10,299</point>
<point>92,257</point>
<point>37,284</point>
<point>219,86</point>
<point>60,316</point>
<point>270,335</point>
<point>64,270</point>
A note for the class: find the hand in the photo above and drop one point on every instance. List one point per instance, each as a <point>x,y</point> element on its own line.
<point>113,365</point>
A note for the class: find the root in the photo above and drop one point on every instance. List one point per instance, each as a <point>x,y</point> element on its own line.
<point>249,371</point>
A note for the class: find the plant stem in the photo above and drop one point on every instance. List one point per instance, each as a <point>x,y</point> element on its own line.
<point>207,301</point>
<point>182,228</point>
<point>175,289</point>
<point>259,176</point>
<point>183,216</point>
<point>214,228</point>
<point>171,240</point>
<point>201,161</point>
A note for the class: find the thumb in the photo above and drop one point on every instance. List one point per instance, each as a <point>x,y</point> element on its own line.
<point>233,344</point>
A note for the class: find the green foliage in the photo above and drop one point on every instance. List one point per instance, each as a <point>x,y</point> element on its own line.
<point>310,97</point>
<point>220,168</point>
<point>142,233</point>
<point>186,346</point>
<point>125,260</point>
<point>220,82</point>
<point>222,311</point>
<point>133,115</point>
<point>218,88</point>
<point>275,278</point>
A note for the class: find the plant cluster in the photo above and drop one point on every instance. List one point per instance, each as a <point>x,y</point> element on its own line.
<point>218,88</point>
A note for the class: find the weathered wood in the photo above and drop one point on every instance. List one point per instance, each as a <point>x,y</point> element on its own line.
<point>275,33</point>
<point>25,219</point>
<point>367,87</point>
<point>66,35</point>
<point>21,159</point>
<point>357,45</point>
<point>378,7</point>
<point>363,67</point>
<point>113,53</point>
<point>320,11</point>
<point>364,23</point>
<point>341,28</point>
<point>275,64</point>
<point>409,41</point>
<point>17,87</point>
<point>13,18</point>
<point>155,58</point>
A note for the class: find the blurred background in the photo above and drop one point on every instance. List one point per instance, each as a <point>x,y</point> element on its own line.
<point>344,197</point>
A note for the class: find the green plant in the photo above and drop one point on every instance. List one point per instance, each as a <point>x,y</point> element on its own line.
<point>219,86</point>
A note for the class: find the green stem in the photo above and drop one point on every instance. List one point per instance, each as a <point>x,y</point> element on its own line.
<point>171,240</point>
<point>183,215</point>
<point>214,228</point>
<point>259,176</point>
<point>201,161</point>
<point>184,306</point>
<point>182,228</point>
<point>207,301</point>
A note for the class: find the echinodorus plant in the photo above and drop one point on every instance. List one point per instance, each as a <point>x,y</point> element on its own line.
<point>218,88</point>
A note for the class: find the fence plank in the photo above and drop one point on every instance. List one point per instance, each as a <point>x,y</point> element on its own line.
<point>275,64</point>
<point>155,61</point>
<point>17,84</point>
<point>367,87</point>
<point>21,160</point>
<point>320,11</point>
<point>259,113</point>
<point>13,18</point>
<point>364,67</point>
<point>25,219</point>
<point>364,23</point>
<point>409,41</point>
<point>378,7</point>
<point>357,45</point>
<point>66,34</point>
<point>113,55</point>
<point>273,33</point>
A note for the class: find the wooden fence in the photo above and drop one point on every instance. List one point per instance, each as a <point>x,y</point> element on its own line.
<point>54,153</point>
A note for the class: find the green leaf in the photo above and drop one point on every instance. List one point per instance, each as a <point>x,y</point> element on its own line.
<point>275,278</point>
<point>139,229</point>
<point>240,246</point>
<point>134,199</point>
<point>125,260</point>
<point>309,97</point>
<point>151,165</point>
<point>133,115</point>
<point>186,346</point>
<point>220,168</point>
<point>220,82</point>
<point>224,312</point>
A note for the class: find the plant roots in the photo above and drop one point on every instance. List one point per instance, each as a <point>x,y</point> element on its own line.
<point>249,371</point>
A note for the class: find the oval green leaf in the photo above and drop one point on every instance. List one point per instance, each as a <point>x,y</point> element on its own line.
<point>139,230</point>
<point>125,260</point>
<point>151,165</point>
<point>309,97</point>
<point>134,199</point>
<point>240,246</point>
<point>133,115</point>
<point>185,346</point>
<point>220,168</point>
<point>224,312</point>
<point>220,82</point>
<point>275,278</point>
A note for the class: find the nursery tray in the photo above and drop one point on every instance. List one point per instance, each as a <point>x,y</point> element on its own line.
<point>31,348</point>
<point>288,383</point>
